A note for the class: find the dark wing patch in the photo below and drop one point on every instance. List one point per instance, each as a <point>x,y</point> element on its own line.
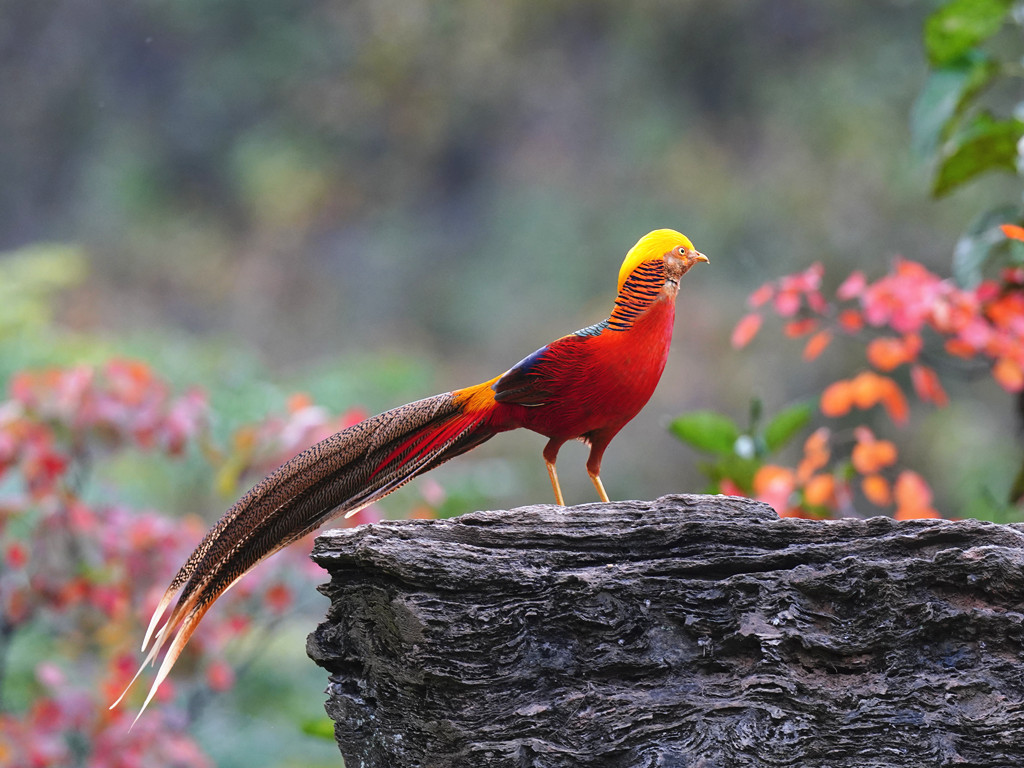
<point>523,384</point>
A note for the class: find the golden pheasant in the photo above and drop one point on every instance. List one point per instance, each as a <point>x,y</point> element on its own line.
<point>586,386</point>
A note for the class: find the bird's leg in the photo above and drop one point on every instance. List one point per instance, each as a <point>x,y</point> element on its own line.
<point>554,483</point>
<point>596,480</point>
<point>598,443</point>
<point>550,456</point>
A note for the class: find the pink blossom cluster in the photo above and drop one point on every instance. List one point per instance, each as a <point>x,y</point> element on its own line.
<point>90,572</point>
<point>986,321</point>
<point>904,317</point>
<point>39,738</point>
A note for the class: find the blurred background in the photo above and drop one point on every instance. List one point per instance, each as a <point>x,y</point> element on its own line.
<point>371,202</point>
<point>375,201</point>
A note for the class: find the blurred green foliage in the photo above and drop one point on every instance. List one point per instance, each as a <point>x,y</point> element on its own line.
<point>29,279</point>
<point>955,29</point>
<point>967,120</point>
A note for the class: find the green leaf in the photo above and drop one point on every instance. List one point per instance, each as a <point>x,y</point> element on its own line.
<point>956,27</point>
<point>785,425</point>
<point>985,144</point>
<point>321,728</point>
<point>982,242</point>
<point>756,412</point>
<point>706,431</point>
<point>944,97</point>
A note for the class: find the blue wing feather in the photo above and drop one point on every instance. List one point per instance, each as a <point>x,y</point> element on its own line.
<point>520,384</point>
<point>528,381</point>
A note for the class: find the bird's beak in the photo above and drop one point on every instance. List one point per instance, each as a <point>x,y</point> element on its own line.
<point>698,256</point>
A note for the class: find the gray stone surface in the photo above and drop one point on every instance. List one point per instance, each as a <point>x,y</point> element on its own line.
<point>686,631</point>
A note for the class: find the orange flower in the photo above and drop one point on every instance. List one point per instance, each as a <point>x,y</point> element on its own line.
<point>837,399</point>
<point>894,401</point>
<point>1012,231</point>
<point>130,379</point>
<point>871,455</point>
<point>960,348</point>
<point>802,327</point>
<point>746,329</point>
<point>887,354</point>
<point>927,385</point>
<point>876,490</point>
<point>866,389</point>
<point>851,320</point>
<point>913,497</point>
<point>775,485</point>
<point>820,491</point>
<point>816,454</point>
<point>817,344</point>
<point>1009,374</point>
<point>1006,310</point>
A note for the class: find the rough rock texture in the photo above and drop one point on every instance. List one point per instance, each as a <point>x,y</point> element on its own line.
<point>687,631</point>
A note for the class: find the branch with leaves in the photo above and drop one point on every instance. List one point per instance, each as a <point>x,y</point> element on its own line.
<point>916,327</point>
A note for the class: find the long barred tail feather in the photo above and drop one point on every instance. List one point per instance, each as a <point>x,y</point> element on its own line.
<point>339,475</point>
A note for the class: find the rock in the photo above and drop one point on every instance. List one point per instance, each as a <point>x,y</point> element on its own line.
<point>686,631</point>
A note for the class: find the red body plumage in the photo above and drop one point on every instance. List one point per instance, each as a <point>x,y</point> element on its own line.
<point>592,384</point>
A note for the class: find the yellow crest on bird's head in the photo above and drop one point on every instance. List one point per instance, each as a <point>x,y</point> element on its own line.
<point>653,245</point>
